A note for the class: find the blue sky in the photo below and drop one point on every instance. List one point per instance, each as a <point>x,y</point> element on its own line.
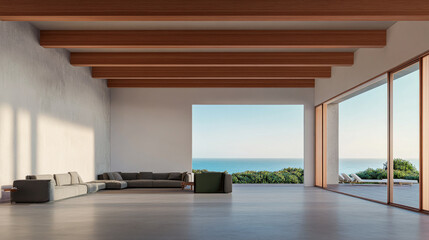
<point>363,121</point>
<point>247,131</point>
<point>276,131</point>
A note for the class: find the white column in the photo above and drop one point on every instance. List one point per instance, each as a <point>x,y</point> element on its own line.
<point>332,145</point>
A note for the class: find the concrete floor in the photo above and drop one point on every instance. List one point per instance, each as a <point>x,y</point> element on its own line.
<point>250,212</point>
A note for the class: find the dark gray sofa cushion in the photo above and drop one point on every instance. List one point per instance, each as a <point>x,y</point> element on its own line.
<point>113,184</point>
<point>145,175</point>
<point>117,176</point>
<point>175,176</point>
<point>129,176</point>
<point>110,176</point>
<point>160,176</point>
<point>140,183</point>
<point>167,184</point>
<point>114,176</point>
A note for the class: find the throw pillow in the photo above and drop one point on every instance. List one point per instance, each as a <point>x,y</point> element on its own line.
<point>105,176</point>
<point>175,176</point>
<point>117,176</point>
<point>110,176</point>
<point>184,176</point>
<point>75,178</point>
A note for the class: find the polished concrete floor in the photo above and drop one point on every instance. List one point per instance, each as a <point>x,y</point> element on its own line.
<point>250,212</point>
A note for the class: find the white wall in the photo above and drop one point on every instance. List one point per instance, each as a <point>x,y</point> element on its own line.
<point>151,129</point>
<point>54,118</point>
<point>405,40</point>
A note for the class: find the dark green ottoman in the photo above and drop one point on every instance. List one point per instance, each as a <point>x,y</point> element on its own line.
<point>213,182</point>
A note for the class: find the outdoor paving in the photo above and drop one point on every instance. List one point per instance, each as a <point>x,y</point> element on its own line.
<point>407,195</point>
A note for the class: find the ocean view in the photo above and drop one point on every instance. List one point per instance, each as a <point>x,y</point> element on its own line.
<point>233,165</point>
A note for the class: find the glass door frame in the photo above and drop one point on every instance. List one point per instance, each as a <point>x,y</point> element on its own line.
<point>390,170</point>
<point>423,61</point>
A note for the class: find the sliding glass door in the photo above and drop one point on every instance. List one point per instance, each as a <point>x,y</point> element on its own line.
<point>375,138</point>
<point>357,142</point>
<point>406,135</point>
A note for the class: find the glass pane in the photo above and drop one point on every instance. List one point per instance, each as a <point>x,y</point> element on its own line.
<point>406,136</point>
<point>254,143</point>
<point>362,143</point>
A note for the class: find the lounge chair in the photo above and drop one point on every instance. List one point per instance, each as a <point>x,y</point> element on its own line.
<point>346,177</point>
<point>340,179</point>
<point>357,179</point>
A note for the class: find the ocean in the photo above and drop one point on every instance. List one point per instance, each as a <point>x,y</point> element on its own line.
<point>233,165</point>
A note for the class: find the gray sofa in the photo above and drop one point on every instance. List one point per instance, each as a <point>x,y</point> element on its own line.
<point>47,188</point>
<point>144,179</point>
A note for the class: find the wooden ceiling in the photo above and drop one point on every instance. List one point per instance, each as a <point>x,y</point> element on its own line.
<point>299,56</point>
<point>209,10</point>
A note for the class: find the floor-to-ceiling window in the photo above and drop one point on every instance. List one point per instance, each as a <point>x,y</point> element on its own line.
<point>357,142</point>
<point>254,143</point>
<point>405,135</point>
<point>374,138</point>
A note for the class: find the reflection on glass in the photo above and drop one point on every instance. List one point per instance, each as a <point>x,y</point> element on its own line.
<point>406,124</point>
<point>362,143</point>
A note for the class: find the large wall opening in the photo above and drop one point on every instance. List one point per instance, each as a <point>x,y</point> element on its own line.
<point>254,143</point>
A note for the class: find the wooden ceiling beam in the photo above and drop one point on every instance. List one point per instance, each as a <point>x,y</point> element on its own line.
<point>210,72</point>
<point>213,39</point>
<point>210,83</point>
<point>209,10</point>
<point>214,59</point>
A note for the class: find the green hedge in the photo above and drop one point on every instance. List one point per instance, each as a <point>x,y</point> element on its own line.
<point>402,169</point>
<point>286,175</point>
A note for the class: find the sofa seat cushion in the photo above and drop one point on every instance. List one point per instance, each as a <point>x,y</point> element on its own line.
<point>116,184</point>
<point>141,183</point>
<point>63,179</point>
<point>95,187</point>
<point>112,184</point>
<point>81,188</point>
<point>167,184</point>
<point>68,191</point>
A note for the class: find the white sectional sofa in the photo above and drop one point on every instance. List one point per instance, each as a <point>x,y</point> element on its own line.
<point>47,188</point>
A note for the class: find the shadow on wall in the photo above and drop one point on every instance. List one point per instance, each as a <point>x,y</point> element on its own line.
<point>33,143</point>
<point>54,118</point>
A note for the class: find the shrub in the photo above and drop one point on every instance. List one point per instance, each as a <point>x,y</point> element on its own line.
<point>402,169</point>
<point>373,174</point>
<point>199,171</point>
<point>286,175</point>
